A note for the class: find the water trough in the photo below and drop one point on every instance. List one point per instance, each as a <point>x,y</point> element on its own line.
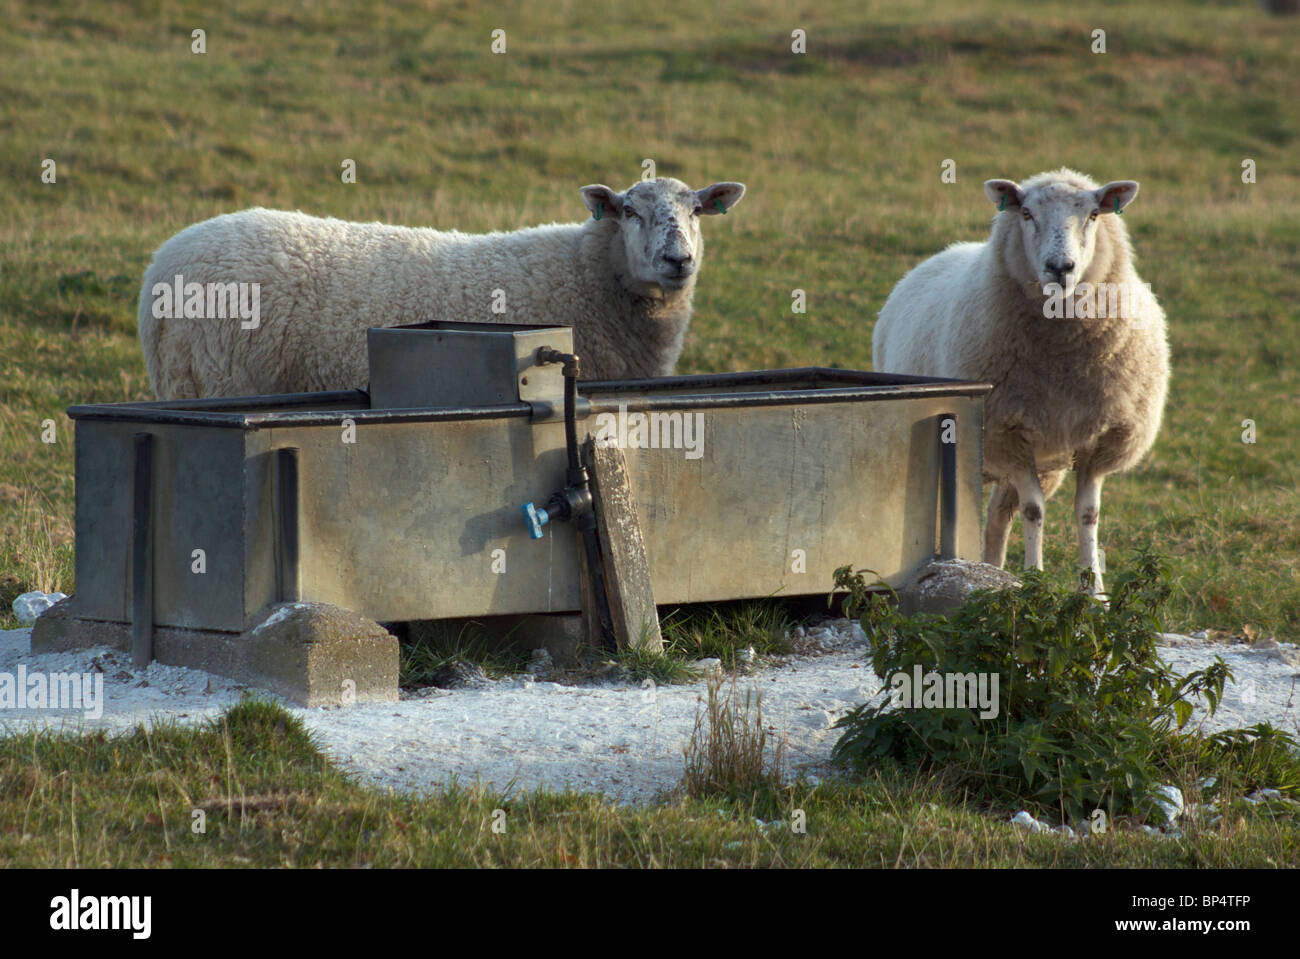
<point>403,502</point>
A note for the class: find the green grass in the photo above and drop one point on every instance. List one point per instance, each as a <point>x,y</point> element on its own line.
<point>268,799</point>
<point>638,664</point>
<point>720,631</point>
<point>841,150</point>
<point>723,630</point>
<point>433,644</point>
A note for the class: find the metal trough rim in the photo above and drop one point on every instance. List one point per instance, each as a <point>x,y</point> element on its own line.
<point>241,412</point>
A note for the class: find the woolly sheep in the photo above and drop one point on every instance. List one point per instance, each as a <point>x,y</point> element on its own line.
<point>624,280</point>
<point>1033,310</point>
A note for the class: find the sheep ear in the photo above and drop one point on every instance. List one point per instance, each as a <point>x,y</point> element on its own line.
<point>720,197</point>
<point>602,201</point>
<point>1116,195</point>
<point>1004,193</point>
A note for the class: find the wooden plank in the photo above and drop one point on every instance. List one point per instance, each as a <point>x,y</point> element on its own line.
<point>627,573</point>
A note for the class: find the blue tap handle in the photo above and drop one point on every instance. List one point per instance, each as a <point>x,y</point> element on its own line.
<point>535,519</point>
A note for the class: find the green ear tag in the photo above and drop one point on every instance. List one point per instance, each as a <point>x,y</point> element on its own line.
<point>1004,202</point>
<point>1117,209</point>
<point>718,204</point>
<point>598,209</point>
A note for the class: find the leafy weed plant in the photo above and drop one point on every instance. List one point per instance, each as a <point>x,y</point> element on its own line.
<point>1088,716</point>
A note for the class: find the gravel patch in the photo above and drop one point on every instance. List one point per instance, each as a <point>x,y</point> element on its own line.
<point>619,738</point>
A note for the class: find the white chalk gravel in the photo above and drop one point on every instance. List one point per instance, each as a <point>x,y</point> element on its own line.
<point>614,737</point>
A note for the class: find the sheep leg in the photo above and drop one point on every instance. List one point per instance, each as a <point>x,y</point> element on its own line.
<point>997,528</point>
<point>1032,504</point>
<point>1087,513</point>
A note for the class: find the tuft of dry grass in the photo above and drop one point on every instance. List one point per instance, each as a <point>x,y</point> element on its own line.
<point>36,548</point>
<point>728,754</point>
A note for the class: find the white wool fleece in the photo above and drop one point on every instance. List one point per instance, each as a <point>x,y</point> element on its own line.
<point>322,282</point>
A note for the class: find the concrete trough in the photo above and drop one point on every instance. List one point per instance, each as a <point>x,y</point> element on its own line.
<point>746,485</point>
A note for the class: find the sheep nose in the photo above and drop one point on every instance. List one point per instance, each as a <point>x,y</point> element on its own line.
<point>677,260</point>
<point>1060,266</point>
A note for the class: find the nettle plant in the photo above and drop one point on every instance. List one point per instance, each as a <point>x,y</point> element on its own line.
<point>1089,716</point>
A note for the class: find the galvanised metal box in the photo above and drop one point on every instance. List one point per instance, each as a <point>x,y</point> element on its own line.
<point>746,484</point>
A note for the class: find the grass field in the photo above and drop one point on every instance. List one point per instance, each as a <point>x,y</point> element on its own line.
<point>267,798</point>
<point>842,149</point>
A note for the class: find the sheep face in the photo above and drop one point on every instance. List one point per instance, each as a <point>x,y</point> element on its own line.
<point>1057,219</point>
<point>659,224</point>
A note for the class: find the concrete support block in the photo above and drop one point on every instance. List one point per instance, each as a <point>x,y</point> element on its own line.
<point>312,654</point>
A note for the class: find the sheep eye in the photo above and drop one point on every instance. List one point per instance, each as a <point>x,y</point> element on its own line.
<point>697,211</point>
<point>630,213</point>
<point>1025,213</point>
<point>1093,215</point>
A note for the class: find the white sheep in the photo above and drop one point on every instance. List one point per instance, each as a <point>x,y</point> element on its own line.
<point>1051,311</point>
<point>624,280</point>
